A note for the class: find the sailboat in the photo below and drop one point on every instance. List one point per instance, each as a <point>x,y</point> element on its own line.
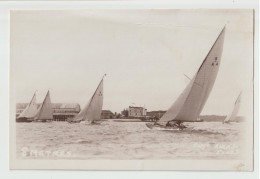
<point>91,113</point>
<point>45,112</point>
<point>29,112</point>
<point>191,101</point>
<point>231,117</point>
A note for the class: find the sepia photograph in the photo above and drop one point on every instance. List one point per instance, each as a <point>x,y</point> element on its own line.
<point>132,89</point>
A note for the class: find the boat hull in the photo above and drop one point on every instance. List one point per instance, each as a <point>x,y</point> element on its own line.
<point>85,122</point>
<point>23,120</point>
<point>43,120</point>
<point>91,122</point>
<point>162,127</point>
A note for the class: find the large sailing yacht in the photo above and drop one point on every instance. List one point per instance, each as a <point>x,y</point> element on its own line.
<point>45,112</point>
<point>29,112</point>
<point>232,116</point>
<point>91,113</point>
<point>191,101</point>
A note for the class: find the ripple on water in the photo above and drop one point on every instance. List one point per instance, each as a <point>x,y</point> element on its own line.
<point>129,140</point>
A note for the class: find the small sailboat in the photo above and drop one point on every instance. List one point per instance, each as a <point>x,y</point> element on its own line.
<point>191,101</point>
<point>91,113</point>
<point>45,112</point>
<point>232,116</point>
<point>29,112</point>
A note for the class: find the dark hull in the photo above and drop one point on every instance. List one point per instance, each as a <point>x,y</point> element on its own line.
<point>165,127</point>
<point>43,120</point>
<point>97,122</point>
<point>23,120</point>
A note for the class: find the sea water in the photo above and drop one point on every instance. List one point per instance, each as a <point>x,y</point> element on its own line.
<point>128,140</point>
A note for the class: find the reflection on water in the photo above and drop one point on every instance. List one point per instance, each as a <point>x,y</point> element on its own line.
<point>128,140</point>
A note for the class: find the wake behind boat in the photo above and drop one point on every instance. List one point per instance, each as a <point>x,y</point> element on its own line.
<point>91,113</point>
<point>191,101</point>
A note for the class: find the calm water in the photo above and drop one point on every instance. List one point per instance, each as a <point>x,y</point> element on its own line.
<point>128,140</point>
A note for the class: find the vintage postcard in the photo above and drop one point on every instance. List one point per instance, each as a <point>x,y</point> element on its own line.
<point>146,89</point>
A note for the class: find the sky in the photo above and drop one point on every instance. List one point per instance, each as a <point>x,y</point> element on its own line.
<point>146,54</point>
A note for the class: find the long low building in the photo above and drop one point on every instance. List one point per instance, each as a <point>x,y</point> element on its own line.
<point>63,111</point>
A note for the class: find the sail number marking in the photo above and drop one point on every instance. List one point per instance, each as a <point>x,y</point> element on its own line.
<point>216,62</point>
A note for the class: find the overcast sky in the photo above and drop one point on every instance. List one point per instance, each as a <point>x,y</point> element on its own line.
<point>144,52</point>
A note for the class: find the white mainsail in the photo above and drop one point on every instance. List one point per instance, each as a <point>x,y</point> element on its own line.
<point>190,103</point>
<point>45,111</point>
<point>92,111</point>
<point>233,114</point>
<point>30,110</point>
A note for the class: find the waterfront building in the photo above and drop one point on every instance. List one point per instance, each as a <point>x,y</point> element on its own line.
<point>63,111</point>
<point>107,114</point>
<point>136,111</point>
